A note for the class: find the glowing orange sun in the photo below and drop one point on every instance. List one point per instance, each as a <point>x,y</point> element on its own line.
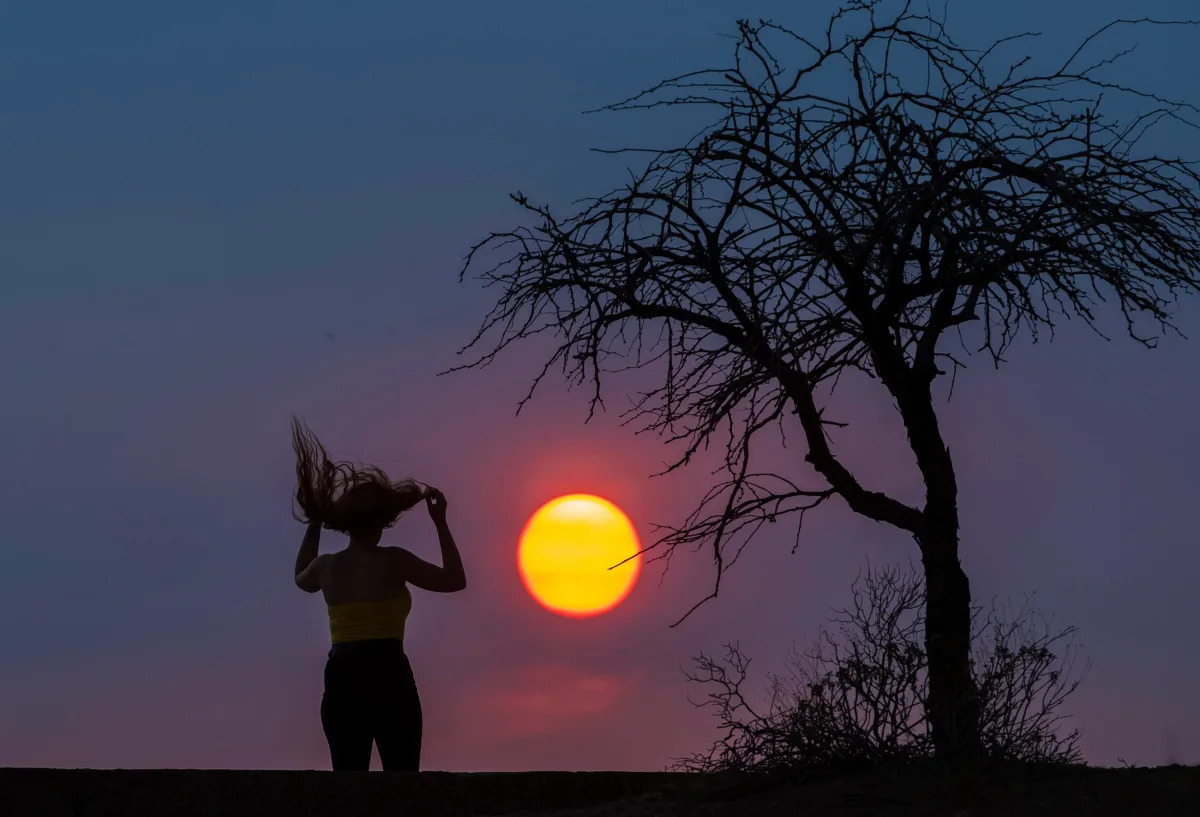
<point>566,550</point>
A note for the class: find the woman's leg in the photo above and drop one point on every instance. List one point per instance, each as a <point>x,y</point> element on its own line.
<point>398,721</point>
<point>345,718</point>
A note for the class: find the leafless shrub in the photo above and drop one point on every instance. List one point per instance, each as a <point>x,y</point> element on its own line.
<point>856,696</point>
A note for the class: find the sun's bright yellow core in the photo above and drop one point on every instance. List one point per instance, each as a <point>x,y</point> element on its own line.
<point>566,550</point>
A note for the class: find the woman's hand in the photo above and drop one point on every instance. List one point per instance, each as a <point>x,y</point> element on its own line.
<point>435,501</point>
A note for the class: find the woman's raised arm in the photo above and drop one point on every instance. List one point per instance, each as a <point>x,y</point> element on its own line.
<point>450,577</point>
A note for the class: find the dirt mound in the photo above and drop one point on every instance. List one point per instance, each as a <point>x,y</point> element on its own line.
<point>220,793</point>
<point>1078,792</point>
<point>1172,791</point>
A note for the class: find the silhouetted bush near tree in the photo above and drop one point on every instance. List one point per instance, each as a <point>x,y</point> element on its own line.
<point>856,695</point>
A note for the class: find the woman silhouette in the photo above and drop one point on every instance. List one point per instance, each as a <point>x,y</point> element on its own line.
<point>370,694</point>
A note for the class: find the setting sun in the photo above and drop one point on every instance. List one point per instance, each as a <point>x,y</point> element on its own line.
<point>566,550</point>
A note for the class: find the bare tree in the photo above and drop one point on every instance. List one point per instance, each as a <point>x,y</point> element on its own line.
<point>888,193</point>
<point>855,695</point>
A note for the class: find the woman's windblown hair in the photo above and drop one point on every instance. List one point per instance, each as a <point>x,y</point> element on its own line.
<point>345,496</point>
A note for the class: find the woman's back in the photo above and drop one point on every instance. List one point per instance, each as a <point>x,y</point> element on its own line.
<point>370,693</point>
<point>357,575</point>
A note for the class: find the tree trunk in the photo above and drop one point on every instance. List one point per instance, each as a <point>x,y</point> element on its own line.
<point>952,709</point>
<point>953,705</point>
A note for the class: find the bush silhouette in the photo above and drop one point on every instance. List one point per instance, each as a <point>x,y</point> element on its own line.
<point>856,696</point>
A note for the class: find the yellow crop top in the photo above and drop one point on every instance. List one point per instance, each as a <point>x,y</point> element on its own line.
<point>370,619</point>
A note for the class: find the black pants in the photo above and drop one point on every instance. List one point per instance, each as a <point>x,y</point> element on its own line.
<point>371,696</point>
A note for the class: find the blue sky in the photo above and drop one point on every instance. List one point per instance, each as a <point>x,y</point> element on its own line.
<point>214,215</point>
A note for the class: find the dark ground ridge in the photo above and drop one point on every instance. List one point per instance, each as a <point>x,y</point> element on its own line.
<point>897,792</point>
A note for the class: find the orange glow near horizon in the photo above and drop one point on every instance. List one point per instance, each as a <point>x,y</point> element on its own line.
<point>565,552</point>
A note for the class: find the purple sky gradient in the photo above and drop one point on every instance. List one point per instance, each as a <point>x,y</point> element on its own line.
<point>193,201</point>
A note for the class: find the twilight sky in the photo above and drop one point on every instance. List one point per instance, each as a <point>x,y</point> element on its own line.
<point>214,215</point>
